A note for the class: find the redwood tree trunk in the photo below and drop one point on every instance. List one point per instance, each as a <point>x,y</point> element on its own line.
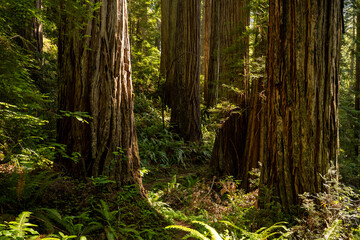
<point>38,29</point>
<point>238,143</point>
<point>180,65</point>
<point>227,156</point>
<point>207,30</point>
<point>229,52</point>
<point>255,137</point>
<point>95,77</point>
<point>302,97</point>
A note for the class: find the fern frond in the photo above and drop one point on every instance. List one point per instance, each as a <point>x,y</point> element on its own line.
<point>329,232</point>
<point>232,225</point>
<point>192,232</point>
<point>21,225</point>
<point>93,227</point>
<point>48,226</point>
<point>108,215</point>
<point>213,233</point>
<point>61,223</point>
<point>270,231</point>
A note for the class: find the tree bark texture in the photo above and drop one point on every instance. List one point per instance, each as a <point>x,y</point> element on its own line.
<point>237,152</point>
<point>95,77</point>
<point>302,97</point>
<point>207,26</point>
<point>228,151</point>
<point>255,137</point>
<point>229,52</point>
<point>180,65</point>
<point>38,32</point>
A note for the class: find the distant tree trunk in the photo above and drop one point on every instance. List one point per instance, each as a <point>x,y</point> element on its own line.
<point>38,32</point>
<point>38,36</point>
<point>353,47</point>
<point>357,86</point>
<point>31,29</point>
<point>255,137</point>
<point>302,98</point>
<point>239,143</point>
<point>229,52</point>
<point>180,65</point>
<point>95,77</point>
<point>207,29</point>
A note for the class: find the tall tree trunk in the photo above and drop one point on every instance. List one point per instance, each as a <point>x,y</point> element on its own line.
<point>229,51</point>
<point>238,146</point>
<point>31,30</point>
<point>181,65</point>
<point>207,29</point>
<point>302,98</point>
<point>95,77</point>
<point>255,137</point>
<point>357,86</point>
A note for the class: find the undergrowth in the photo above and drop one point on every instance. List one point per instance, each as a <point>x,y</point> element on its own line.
<point>158,145</point>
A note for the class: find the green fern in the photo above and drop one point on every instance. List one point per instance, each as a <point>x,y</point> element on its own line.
<point>265,232</point>
<point>66,224</point>
<point>19,229</point>
<point>331,232</point>
<point>213,233</point>
<point>191,232</point>
<point>261,234</point>
<point>22,226</point>
<point>196,234</point>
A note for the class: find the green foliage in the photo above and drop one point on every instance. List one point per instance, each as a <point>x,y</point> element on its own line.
<point>25,125</point>
<point>348,116</point>
<point>25,189</point>
<point>21,138</point>
<point>332,214</point>
<point>144,29</point>
<point>196,234</point>
<point>75,226</point>
<point>263,233</point>
<point>21,229</point>
<point>157,144</point>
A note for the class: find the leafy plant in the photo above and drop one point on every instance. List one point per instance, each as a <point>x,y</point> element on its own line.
<point>211,234</point>
<point>77,226</point>
<point>264,232</point>
<point>331,214</point>
<point>214,235</point>
<point>21,229</point>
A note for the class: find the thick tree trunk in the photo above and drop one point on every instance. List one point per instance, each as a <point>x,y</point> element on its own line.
<point>302,98</point>
<point>180,64</point>
<point>229,51</point>
<point>95,77</point>
<point>168,40</point>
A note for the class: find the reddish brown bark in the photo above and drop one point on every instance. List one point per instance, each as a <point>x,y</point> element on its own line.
<point>180,65</point>
<point>302,98</point>
<point>229,52</point>
<point>95,77</point>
